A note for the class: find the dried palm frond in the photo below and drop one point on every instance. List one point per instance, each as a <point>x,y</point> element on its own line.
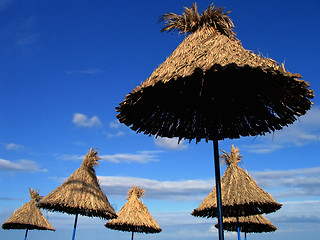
<point>190,20</point>
<point>139,192</point>
<point>233,158</point>
<point>34,194</point>
<point>91,159</point>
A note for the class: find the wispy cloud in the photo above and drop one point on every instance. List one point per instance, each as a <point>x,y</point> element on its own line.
<point>20,166</point>
<point>115,124</point>
<point>170,143</point>
<point>139,157</point>
<point>304,131</point>
<point>82,120</point>
<point>87,71</point>
<point>290,184</point>
<point>183,190</point>
<point>13,146</point>
<point>117,134</point>
<point>294,183</point>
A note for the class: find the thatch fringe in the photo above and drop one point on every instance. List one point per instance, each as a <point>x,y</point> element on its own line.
<point>81,193</point>
<point>28,216</point>
<point>134,215</point>
<point>191,21</point>
<point>248,224</point>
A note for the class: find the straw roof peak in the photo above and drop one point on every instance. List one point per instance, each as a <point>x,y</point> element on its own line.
<point>233,158</point>
<point>91,159</point>
<point>34,194</point>
<point>190,20</point>
<point>139,192</point>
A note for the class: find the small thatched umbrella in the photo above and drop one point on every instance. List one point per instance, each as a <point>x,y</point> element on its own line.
<point>134,216</point>
<point>212,88</point>
<point>248,224</point>
<point>29,216</point>
<point>80,193</point>
<point>241,195</point>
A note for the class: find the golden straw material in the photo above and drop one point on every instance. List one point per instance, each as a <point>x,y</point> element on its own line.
<point>29,216</point>
<point>81,193</point>
<point>212,88</point>
<point>240,194</point>
<point>248,224</point>
<point>134,215</point>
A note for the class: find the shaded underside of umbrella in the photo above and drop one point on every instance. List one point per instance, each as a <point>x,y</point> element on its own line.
<point>28,216</point>
<point>212,88</point>
<point>241,196</point>
<point>134,216</point>
<point>81,193</point>
<point>248,224</point>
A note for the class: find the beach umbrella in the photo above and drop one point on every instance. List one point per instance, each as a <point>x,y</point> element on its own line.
<point>80,193</point>
<point>241,196</point>
<point>134,216</point>
<point>248,224</point>
<point>212,88</point>
<point>29,216</point>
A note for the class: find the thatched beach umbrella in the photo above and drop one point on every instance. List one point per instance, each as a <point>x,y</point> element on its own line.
<point>212,88</point>
<point>241,196</point>
<point>29,216</point>
<point>134,216</point>
<point>248,224</point>
<point>80,193</point>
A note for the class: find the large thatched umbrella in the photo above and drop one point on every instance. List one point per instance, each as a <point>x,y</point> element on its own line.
<point>80,193</point>
<point>248,224</point>
<point>29,216</point>
<point>241,196</point>
<point>212,88</point>
<point>134,216</point>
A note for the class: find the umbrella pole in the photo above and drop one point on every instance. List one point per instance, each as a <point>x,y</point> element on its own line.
<point>218,187</point>
<point>132,235</point>
<point>75,227</point>
<point>238,228</point>
<point>25,236</point>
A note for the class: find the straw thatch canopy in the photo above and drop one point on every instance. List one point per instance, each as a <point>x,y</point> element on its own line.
<point>81,193</point>
<point>240,194</point>
<point>212,88</point>
<point>134,215</point>
<point>248,224</point>
<point>29,216</point>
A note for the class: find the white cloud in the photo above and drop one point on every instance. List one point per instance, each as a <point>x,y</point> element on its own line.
<point>115,124</point>
<point>170,143</point>
<point>140,157</point>
<point>13,146</point>
<point>117,134</point>
<point>81,120</point>
<point>294,183</point>
<point>183,190</point>
<point>20,166</point>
